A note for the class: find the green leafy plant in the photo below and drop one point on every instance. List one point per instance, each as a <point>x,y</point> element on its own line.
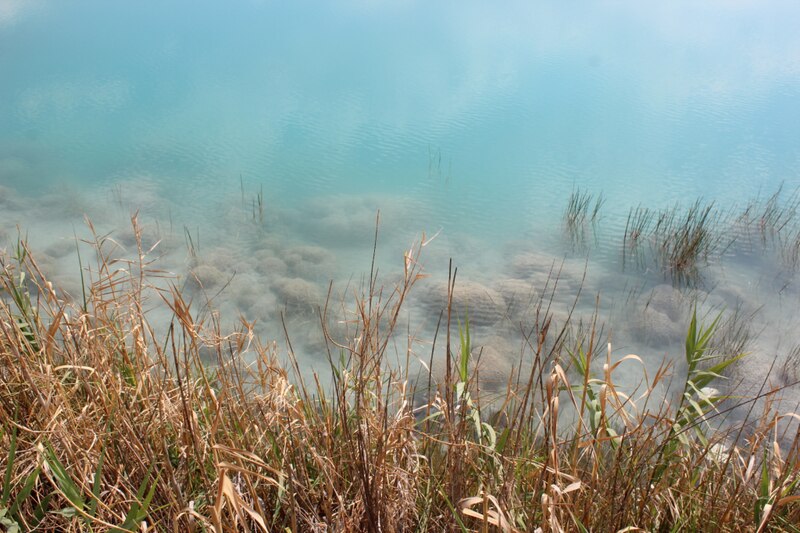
<point>697,399</point>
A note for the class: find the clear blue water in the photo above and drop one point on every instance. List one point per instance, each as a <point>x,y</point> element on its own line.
<point>467,117</point>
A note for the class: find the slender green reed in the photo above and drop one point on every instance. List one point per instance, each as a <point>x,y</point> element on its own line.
<point>582,208</point>
<point>680,241</point>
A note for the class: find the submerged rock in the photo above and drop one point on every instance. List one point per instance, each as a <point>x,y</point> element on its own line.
<point>307,336</point>
<point>529,264</point>
<point>258,305</point>
<point>68,286</point>
<point>141,194</point>
<point>484,306</point>
<point>298,296</point>
<point>660,318</point>
<point>309,261</point>
<point>520,296</point>
<point>47,264</point>
<point>546,271</point>
<point>492,362</point>
<point>266,263</point>
<point>349,220</point>
<point>748,379</point>
<point>68,202</point>
<point>61,248</point>
<point>149,236</point>
<point>224,257</point>
<point>205,278</point>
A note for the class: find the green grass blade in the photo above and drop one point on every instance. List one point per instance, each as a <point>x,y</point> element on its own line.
<point>138,510</point>
<point>691,339</point>
<point>97,484</point>
<point>26,490</point>
<point>41,510</point>
<point>12,452</point>
<point>466,349</point>
<point>64,480</point>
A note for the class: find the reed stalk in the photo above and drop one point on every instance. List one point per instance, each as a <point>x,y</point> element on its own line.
<point>108,425</point>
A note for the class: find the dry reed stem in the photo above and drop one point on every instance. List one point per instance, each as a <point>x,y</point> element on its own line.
<point>245,445</point>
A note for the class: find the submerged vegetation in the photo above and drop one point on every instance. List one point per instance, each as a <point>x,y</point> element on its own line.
<point>582,208</point>
<point>113,423</point>
<point>770,218</point>
<point>678,241</point>
<point>685,239</point>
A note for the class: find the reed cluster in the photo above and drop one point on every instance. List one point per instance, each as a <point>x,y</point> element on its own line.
<point>772,217</point>
<point>680,240</point>
<point>583,208</point>
<point>109,425</point>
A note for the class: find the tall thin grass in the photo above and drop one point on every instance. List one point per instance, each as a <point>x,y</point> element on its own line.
<point>769,218</point>
<point>582,208</point>
<point>773,223</point>
<point>681,240</point>
<point>110,426</point>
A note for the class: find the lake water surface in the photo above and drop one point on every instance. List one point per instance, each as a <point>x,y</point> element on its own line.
<point>273,132</point>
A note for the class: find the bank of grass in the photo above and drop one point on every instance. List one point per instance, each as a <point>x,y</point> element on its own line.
<point>110,426</point>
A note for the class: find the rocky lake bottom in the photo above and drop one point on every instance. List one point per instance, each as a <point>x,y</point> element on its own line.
<point>285,264</point>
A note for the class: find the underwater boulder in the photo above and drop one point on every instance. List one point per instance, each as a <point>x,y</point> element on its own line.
<point>520,296</point>
<point>242,292</point>
<point>258,305</point>
<point>141,193</point>
<point>655,328</point>
<point>309,262</point>
<point>307,335</point>
<point>660,318</point>
<point>224,257</point>
<point>349,219</point>
<point>544,270</point>
<point>484,305</point>
<point>492,362</point>
<point>666,299</point>
<point>747,378</point>
<point>205,277</point>
<point>47,264</point>
<point>148,234</point>
<point>297,296</point>
<point>61,248</point>
<point>266,263</point>
<point>529,264</point>
<point>69,202</point>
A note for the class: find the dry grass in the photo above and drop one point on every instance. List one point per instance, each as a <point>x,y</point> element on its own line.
<point>109,426</point>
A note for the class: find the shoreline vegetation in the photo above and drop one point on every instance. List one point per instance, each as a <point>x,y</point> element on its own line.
<point>107,425</point>
<point>678,241</point>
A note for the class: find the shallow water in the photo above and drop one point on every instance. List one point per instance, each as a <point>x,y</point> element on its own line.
<point>454,117</point>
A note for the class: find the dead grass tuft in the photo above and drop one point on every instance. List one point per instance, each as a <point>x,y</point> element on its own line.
<point>113,424</point>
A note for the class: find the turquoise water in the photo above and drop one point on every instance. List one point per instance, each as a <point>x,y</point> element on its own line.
<point>465,118</point>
